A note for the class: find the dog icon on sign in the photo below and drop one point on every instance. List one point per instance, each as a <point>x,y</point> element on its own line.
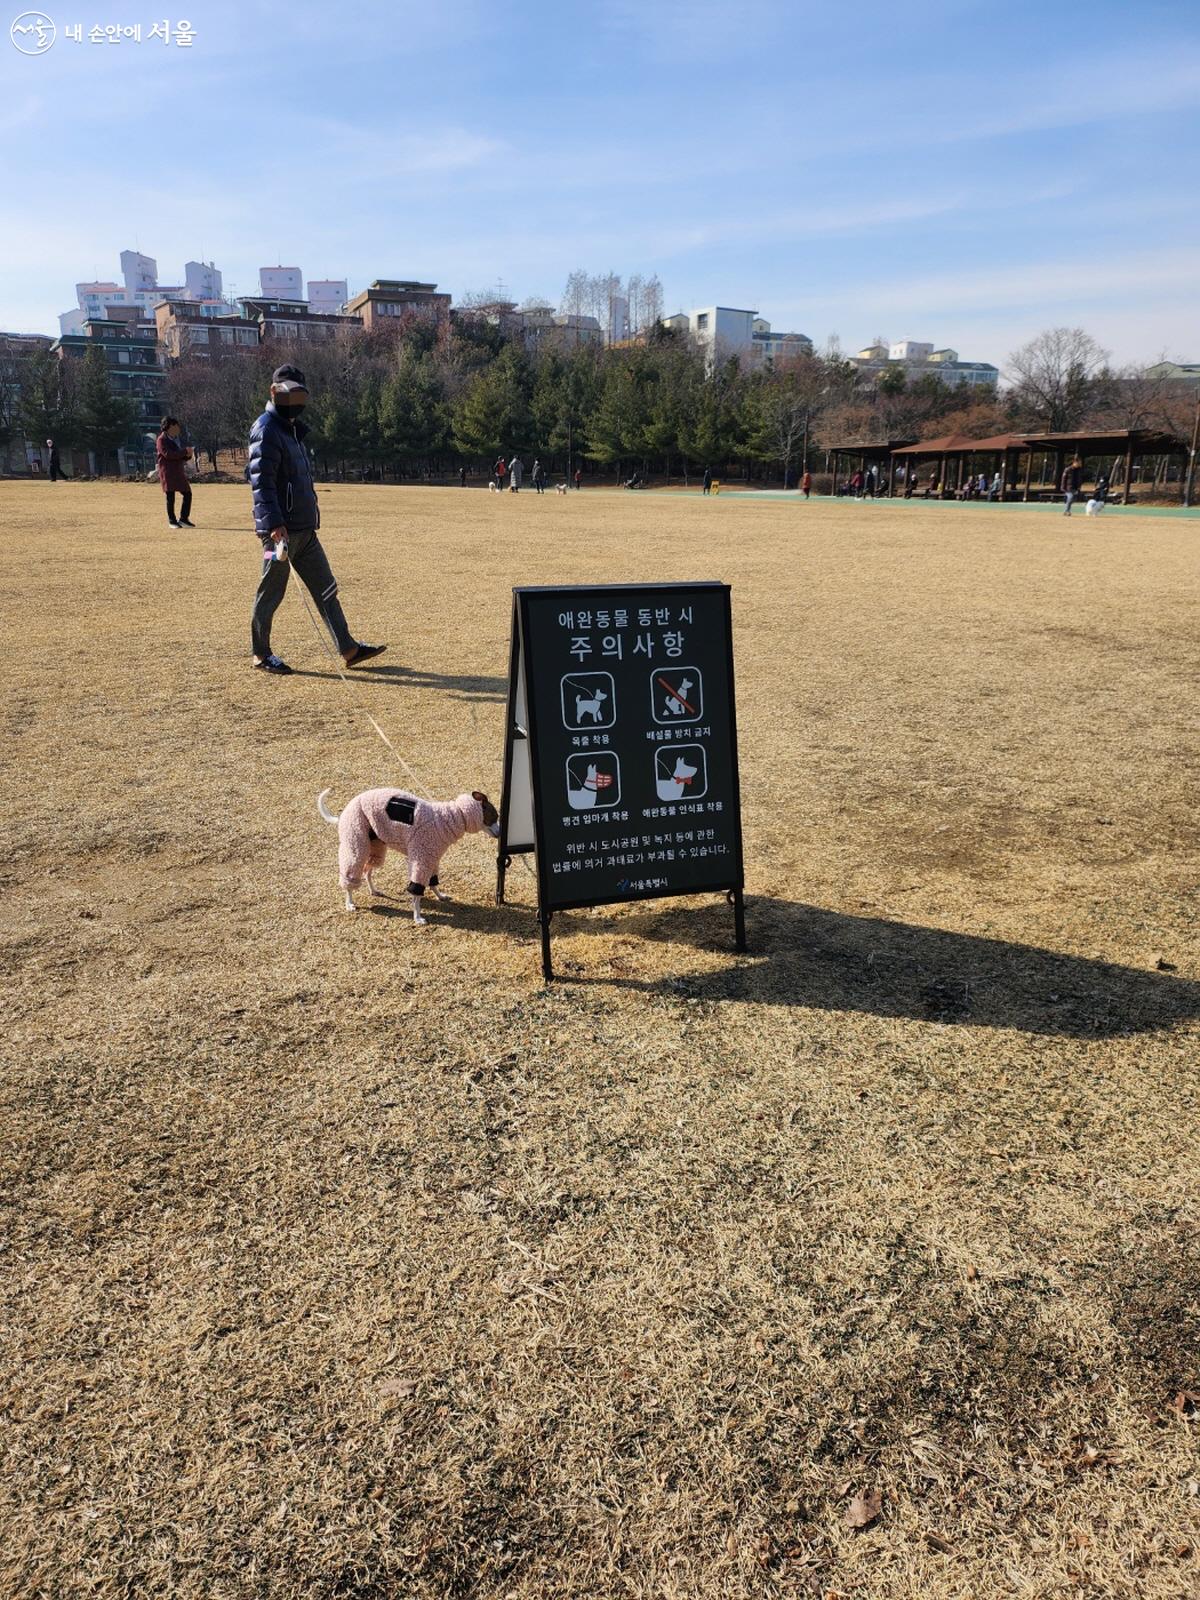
<point>593,780</point>
<point>680,772</point>
<point>589,700</point>
<point>676,694</point>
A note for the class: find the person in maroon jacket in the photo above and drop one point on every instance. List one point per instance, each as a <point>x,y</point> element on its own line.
<point>171,453</point>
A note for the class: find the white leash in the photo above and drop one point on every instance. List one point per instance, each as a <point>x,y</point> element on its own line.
<point>341,671</point>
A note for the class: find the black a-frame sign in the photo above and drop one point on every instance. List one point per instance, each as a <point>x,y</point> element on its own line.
<point>620,752</point>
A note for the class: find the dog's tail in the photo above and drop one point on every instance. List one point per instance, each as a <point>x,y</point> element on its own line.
<point>330,816</point>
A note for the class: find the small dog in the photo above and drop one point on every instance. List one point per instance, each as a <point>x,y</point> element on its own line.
<point>379,820</point>
<point>591,706</point>
<point>494,487</point>
<point>560,488</point>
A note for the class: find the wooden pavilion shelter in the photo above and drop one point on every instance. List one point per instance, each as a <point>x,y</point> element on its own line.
<point>1114,452</point>
<point>1118,449</point>
<point>867,454</point>
<point>959,456</point>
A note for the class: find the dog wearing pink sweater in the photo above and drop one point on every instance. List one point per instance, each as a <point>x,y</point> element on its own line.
<point>379,820</point>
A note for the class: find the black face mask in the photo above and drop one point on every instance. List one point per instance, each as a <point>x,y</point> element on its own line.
<point>291,410</point>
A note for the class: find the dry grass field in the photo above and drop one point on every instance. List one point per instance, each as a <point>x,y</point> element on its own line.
<point>346,1261</point>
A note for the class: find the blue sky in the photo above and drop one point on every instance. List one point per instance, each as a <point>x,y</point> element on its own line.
<point>947,170</point>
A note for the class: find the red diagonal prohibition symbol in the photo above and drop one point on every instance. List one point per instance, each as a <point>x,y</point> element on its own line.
<point>675,695</point>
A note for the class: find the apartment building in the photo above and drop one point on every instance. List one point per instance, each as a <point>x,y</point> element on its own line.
<point>292,321</point>
<point>389,298</point>
<point>184,327</point>
<point>920,359</point>
<point>135,371</point>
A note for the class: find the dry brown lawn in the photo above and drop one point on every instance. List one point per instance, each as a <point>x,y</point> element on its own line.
<point>342,1259</point>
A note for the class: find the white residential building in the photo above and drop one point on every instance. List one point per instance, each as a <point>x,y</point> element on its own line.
<point>281,283</point>
<point>910,350</point>
<point>918,359</point>
<point>720,331</point>
<point>139,271</point>
<point>328,295</point>
<point>201,281</point>
<point>140,288</point>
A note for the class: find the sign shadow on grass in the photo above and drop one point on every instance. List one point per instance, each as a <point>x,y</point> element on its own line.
<point>802,955</point>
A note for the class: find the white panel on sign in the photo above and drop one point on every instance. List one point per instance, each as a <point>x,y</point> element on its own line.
<point>520,787</point>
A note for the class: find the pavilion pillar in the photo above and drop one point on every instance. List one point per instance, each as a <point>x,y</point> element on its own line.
<point>1058,468</point>
<point>1189,465</point>
<point>833,490</point>
<point>1028,474</point>
<point>1129,473</point>
<point>1004,475</point>
<point>941,492</point>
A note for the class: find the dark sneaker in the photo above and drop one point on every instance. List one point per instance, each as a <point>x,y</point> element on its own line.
<point>364,652</point>
<point>184,523</point>
<point>273,664</point>
<point>171,523</point>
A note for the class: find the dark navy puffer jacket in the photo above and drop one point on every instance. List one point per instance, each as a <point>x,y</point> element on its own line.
<point>280,476</point>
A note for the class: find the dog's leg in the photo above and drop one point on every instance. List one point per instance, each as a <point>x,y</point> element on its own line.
<point>433,884</point>
<point>418,919</point>
<point>350,906</point>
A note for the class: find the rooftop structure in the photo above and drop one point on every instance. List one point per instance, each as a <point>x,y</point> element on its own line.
<point>390,298</point>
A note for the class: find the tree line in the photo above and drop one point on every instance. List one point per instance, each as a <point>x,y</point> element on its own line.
<point>70,401</point>
<point>420,401</point>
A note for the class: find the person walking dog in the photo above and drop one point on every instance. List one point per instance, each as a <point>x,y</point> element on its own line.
<point>286,519</point>
<point>170,454</point>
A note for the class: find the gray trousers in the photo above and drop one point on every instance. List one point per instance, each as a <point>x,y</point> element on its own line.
<point>312,568</point>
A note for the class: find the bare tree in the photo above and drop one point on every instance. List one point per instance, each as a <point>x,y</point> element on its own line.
<point>1055,378</point>
<point>652,303</point>
<point>1144,397</point>
<point>576,295</point>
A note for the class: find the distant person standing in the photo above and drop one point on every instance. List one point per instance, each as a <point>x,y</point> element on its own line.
<point>170,455</point>
<point>707,489</point>
<point>462,477</point>
<point>806,485</point>
<point>286,519</point>
<point>56,471</point>
<point>579,477</point>
<point>499,470</point>
<point>516,471</point>
<point>1071,483</point>
<point>537,477</point>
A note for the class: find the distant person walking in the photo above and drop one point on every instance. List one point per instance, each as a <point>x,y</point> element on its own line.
<point>707,489</point>
<point>170,454</point>
<point>579,477</point>
<point>286,519</point>
<point>499,470</point>
<point>56,471</point>
<point>516,471</point>
<point>806,485</point>
<point>537,477</point>
<point>462,477</point>
<point>1071,483</point>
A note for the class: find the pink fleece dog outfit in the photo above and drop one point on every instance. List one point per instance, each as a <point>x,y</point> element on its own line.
<point>379,820</point>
